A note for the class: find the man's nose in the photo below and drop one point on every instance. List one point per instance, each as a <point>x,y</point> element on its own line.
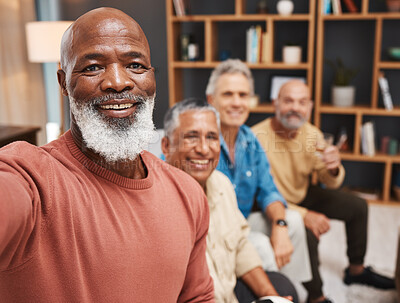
<point>296,106</point>
<point>202,146</point>
<point>116,78</point>
<point>236,100</point>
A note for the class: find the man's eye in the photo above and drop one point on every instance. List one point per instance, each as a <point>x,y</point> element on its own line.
<point>227,94</point>
<point>137,67</point>
<point>190,137</point>
<point>92,68</point>
<point>212,137</point>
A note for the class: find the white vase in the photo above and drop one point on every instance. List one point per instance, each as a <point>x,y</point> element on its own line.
<point>291,54</point>
<point>285,7</point>
<point>343,96</point>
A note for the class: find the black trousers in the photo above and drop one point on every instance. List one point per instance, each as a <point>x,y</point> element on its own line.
<point>336,204</point>
<point>281,283</point>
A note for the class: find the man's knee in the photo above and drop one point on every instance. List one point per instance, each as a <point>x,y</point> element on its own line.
<point>283,285</point>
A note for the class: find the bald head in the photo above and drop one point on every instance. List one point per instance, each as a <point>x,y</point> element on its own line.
<point>104,21</point>
<point>294,87</point>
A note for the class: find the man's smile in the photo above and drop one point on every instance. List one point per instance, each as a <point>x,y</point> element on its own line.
<point>122,109</point>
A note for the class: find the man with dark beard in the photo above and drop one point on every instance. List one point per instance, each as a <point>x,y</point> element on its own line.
<point>91,217</point>
<point>290,142</point>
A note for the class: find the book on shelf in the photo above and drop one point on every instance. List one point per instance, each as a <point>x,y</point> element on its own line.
<point>368,138</point>
<point>327,7</point>
<point>258,45</point>
<point>266,48</point>
<point>350,6</point>
<point>250,34</point>
<point>336,7</point>
<point>179,8</point>
<point>386,96</point>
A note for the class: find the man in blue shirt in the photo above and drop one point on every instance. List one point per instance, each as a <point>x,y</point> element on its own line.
<point>244,162</point>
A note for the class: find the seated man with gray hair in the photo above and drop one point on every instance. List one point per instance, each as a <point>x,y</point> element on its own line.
<point>244,162</point>
<point>192,144</point>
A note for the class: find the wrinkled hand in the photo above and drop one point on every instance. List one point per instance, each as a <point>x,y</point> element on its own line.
<point>316,222</point>
<point>331,158</point>
<point>283,247</point>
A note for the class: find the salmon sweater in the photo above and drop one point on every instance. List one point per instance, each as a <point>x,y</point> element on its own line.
<point>72,231</point>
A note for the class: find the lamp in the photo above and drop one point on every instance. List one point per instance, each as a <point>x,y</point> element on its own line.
<point>43,42</point>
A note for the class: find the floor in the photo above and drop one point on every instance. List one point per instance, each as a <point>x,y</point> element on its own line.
<point>383,233</point>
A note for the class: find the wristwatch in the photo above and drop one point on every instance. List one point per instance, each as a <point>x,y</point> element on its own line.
<point>281,222</point>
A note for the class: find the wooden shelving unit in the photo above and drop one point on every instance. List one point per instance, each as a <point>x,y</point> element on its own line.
<point>363,111</point>
<point>210,60</point>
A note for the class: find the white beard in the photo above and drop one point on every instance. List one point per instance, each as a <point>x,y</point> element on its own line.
<point>116,139</point>
<point>285,121</point>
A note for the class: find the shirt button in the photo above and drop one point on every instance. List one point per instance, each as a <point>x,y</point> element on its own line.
<point>248,173</point>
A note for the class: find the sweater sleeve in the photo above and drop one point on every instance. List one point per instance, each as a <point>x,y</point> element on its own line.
<point>198,285</point>
<point>15,206</point>
<point>16,209</point>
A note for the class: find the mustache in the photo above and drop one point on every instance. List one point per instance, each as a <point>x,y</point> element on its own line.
<point>113,96</point>
<point>293,113</point>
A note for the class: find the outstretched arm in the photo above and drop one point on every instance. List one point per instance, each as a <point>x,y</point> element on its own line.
<point>280,240</point>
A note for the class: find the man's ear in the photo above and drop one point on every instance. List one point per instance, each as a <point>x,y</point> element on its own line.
<point>210,99</point>
<point>165,145</point>
<point>61,81</point>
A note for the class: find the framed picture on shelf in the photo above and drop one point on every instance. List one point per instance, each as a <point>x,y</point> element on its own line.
<point>278,81</point>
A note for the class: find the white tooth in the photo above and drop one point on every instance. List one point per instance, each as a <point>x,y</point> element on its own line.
<point>200,161</point>
<point>116,106</point>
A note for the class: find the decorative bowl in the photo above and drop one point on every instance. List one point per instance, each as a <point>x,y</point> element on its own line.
<point>394,53</point>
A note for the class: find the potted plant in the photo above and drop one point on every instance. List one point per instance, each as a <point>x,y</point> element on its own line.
<point>291,53</point>
<point>343,94</point>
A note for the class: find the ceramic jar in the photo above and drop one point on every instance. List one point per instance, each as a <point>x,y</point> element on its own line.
<point>285,7</point>
<point>291,54</point>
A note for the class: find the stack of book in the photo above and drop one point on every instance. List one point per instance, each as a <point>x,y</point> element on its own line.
<point>368,139</point>
<point>258,45</point>
<point>335,7</point>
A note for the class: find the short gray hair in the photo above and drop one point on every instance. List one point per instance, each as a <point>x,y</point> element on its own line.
<point>171,118</point>
<point>230,66</point>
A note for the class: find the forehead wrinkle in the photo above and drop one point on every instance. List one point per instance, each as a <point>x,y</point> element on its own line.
<point>108,27</point>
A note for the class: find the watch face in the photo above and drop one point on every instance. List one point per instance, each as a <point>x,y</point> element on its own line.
<point>281,222</point>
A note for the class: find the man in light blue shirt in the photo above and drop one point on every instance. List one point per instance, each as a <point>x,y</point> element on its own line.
<point>251,175</point>
<point>244,162</point>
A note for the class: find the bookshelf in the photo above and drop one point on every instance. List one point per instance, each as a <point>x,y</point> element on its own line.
<point>221,25</point>
<point>374,28</point>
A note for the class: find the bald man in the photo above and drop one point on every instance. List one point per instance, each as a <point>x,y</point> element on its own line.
<point>290,143</point>
<point>91,217</point>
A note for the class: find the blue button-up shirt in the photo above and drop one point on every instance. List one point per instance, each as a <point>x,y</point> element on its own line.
<point>250,174</point>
